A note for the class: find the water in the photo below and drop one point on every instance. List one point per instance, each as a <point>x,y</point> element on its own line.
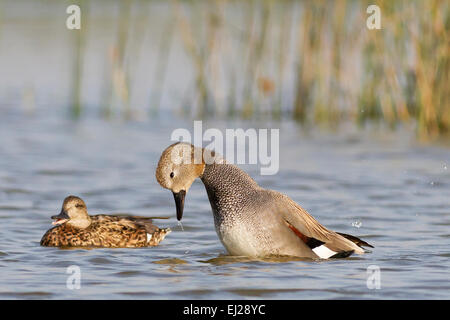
<point>396,191</point>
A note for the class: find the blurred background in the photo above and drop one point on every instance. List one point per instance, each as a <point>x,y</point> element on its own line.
<point>312,62</point>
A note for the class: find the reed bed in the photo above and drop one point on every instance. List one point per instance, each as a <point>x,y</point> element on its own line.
<point>339,70</point>
<point>312,61</point>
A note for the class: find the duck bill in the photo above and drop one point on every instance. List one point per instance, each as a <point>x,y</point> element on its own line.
<point>61,218</point>
<point>179,202</point>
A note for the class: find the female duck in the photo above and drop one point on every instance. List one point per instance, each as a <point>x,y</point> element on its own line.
<point>75,228</point>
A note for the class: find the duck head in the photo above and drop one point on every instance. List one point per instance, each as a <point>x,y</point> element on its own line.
<point>73,212</point>
<point>180,164</point>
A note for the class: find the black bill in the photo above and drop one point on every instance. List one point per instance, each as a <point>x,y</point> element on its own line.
<point>61,218</point>
<point>179,202</point>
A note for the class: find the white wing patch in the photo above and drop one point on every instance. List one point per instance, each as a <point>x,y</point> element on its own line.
<point>149,237</point>
<point>323,252</point>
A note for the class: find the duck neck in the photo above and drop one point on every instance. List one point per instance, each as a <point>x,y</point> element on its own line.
<point>227,183</point>
<point>80,223</point>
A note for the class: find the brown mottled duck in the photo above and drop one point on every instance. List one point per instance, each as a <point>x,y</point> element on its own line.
<point>74,227</point>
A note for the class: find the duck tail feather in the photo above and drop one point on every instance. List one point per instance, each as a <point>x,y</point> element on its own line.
<point>342,254</point>
<point>355,240</point>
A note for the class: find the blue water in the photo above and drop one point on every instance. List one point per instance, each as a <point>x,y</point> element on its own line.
<point>382,186</point>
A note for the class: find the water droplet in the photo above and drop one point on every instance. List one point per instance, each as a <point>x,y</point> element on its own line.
<point>445,167</point>
<point>357,224</point>
<point>432,183</point>
<point>181,226</point>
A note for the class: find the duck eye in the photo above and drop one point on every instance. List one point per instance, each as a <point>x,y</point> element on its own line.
<point>79,206</point>
<point>172,174</point>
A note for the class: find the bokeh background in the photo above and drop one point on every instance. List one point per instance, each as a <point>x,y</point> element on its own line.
<point>314,62</point>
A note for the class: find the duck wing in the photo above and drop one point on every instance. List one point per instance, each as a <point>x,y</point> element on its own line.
<point>144,222</point>
<point>322,241</point>
<point>134,222</point>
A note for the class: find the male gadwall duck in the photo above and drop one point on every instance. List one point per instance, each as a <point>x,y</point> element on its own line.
<point>250,220</point>
<point>75,228</point>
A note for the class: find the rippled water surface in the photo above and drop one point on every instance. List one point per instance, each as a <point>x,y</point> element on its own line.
<point>386,188</point>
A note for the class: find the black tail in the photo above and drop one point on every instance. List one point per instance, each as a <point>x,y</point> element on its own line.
<point>342,254</point>
<point>355,240</point>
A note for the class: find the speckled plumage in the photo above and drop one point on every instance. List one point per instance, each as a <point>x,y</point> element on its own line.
<point>253,221</point>
<point>246,216</point>
<point>106,231</point>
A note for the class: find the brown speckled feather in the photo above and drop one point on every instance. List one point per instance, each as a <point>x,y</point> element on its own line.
<point>107,231</point>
